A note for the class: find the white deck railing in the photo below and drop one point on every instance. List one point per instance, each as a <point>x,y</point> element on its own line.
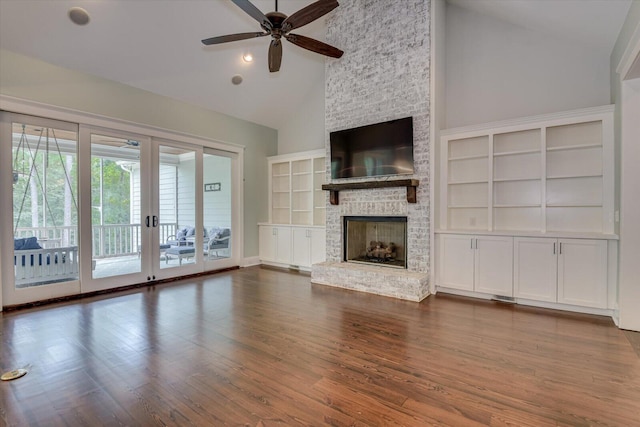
<point>108,240</point>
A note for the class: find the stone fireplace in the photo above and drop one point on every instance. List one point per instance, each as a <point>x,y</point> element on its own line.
<point>372,83</point>
<point>373,240</point>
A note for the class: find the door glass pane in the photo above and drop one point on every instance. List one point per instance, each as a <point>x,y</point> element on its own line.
<point>177,214</point>
<point>217,206</point>
<point>115,206</point>
<point>45,208</point>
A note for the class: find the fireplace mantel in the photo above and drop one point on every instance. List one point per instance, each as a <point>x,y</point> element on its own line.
<point>334,189</point>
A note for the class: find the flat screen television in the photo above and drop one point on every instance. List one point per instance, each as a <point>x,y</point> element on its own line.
<point>373,150</point>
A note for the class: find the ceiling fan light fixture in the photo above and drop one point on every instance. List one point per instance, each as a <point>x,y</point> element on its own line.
<point>277,25</point>
<point>247,57</point>
<point>78,16</point>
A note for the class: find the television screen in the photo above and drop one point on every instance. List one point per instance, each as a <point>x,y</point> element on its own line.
<point>373,150</point>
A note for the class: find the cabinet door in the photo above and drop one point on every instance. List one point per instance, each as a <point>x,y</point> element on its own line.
<point>494,265</point>
<point>318,245</point>
<point>283,245</point>
<point>535,268</point>
<point>456,261</point>
<point>582,272</point>
<point>267,243</point>
<point>301,255</point>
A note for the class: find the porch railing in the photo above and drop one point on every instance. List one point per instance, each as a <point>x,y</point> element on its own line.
<point>107,240</point>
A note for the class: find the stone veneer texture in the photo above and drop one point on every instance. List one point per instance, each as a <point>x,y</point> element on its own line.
<point>383,75</point>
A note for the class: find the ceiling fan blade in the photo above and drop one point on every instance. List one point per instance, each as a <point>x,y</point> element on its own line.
<point>314,45</point>
<point>232,38</point>
<point>275,55</point>
<point>308,14</point>
<point>254,12</point>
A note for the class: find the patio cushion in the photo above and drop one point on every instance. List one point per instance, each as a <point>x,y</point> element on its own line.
<point>182,233</point>
<point>180,250</point>
<point>26,243</point>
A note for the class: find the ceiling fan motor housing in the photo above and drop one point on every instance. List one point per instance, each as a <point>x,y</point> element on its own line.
<point>276,19</point>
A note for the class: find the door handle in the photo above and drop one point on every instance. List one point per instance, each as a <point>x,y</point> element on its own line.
<point>146,221</point>
<point>155,221</point>
<point>560,248</point>
<point>554,248</point>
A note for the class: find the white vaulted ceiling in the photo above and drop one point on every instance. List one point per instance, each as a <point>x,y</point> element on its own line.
<point>155,45</point>
<point>595,23</point>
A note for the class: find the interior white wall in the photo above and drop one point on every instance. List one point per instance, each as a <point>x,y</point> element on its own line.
<point>629,271</point>
<point>305,130</point>
<point>626,96</point>
<point>496,71</point>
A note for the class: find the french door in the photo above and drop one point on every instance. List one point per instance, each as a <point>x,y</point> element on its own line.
<point>143,192</point>
<point>39,202</point>
<point>96,208</point>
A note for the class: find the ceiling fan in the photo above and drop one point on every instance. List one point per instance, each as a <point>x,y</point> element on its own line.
<point>278,25</point>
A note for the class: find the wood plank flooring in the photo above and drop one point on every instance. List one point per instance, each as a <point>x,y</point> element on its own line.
<point>264,347</point>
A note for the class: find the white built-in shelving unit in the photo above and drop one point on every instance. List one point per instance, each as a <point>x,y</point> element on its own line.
<point>295,233</point>
<point>295,185</point>
<point>526,210</point>
<point>554,174</point>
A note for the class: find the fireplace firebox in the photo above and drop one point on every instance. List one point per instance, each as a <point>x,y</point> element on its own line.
<point>378,240</point>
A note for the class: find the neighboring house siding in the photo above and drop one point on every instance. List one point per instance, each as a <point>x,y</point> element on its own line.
<point>217,204</point>
<point>167,189</point>
<point>185,185</point>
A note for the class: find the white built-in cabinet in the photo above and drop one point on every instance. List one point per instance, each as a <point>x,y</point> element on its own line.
<point>291,245</point>
<point>295,234</point>
<point>275,243</point>
<point>310,246</point>
<point>526,209</point>
<point>567,271</point>
<point>477,263</point>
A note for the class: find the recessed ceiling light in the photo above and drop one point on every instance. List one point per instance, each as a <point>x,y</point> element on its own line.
<point>247,57</point>
<point>79,16</point>
<point>237,79</point>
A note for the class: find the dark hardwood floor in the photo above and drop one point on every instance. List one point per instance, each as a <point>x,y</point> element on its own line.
<point>263,347</point>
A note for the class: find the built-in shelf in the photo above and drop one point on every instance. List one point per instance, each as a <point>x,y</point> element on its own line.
<point>471,181</point>
<point>574,147</point>
<point>334,189</point>
<point>523,205</point>
<point>574,205</point>
<point>575,176</point>
<point>468,207</point>
<point>516,179</point>
<point>516,153</point>
<point>478,156</point>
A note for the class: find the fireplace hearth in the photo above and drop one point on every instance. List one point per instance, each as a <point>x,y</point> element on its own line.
<point>377,240</point>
